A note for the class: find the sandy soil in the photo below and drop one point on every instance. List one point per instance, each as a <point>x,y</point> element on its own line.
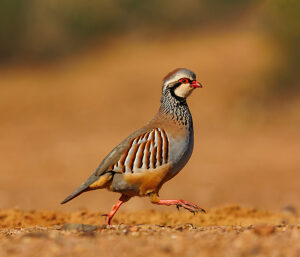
<point>227,231</point>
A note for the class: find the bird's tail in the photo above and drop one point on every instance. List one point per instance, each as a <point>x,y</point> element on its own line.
<point>93,182</point>
<point>77,192</point>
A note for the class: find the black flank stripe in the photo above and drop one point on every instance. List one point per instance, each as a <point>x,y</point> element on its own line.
<point>122,161</point>
<point>159,147</point>
<point>147,155</point>
<point>141,155</point>
<point>131,162</point>
<point>153,157</point>
<point>166,147</point>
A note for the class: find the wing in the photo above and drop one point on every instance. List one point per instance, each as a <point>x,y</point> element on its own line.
<point>145,152</point>
<point>145,149</point>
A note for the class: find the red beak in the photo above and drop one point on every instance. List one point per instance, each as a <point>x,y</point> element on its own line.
<point>196,84</point>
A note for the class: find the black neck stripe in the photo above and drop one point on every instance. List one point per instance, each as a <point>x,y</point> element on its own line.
<point>172,90</point>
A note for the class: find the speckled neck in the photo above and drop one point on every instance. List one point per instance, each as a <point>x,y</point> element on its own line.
<point>176,108</point>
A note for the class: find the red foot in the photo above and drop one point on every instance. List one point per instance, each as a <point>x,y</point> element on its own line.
<point>114,209</point>
<point>182,203</point>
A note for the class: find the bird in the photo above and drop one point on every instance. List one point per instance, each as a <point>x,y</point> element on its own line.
<point>153,154</point>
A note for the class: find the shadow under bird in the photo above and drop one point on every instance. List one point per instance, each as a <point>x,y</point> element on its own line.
<point>154,154</point>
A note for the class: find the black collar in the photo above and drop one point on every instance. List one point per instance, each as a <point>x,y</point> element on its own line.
<point>172,90</point>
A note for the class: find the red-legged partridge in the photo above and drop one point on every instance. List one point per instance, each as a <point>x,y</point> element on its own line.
<point>152,155</point>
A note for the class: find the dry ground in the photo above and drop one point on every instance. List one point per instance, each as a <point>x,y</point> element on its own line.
<point>228,231</point>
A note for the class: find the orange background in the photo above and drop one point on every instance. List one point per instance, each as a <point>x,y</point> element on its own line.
<point>59,119</point>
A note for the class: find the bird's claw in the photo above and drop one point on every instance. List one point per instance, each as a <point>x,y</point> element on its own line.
<point>193,208</point>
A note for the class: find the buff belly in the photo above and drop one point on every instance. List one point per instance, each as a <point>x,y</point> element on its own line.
<point>142,183</point>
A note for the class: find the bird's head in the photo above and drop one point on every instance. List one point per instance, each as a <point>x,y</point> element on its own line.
<point>181,83</point>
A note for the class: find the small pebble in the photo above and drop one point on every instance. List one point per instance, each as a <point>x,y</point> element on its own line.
<point>79,227</point>
<point>264,230</point>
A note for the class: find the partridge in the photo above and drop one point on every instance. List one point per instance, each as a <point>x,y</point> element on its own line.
<point>154,154</point>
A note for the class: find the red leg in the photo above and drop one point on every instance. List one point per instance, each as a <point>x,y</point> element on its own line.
<point>179,203</point>
<point>114,209</point>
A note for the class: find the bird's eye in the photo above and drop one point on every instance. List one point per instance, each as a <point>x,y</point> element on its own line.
<point>184,80</point>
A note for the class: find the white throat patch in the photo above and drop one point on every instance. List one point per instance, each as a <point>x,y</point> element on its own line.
<point>184,90</point>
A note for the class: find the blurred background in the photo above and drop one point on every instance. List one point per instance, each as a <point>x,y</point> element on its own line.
<point>76,77</point>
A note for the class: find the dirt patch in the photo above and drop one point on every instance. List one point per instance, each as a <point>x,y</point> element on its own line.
<point>226,231</point>
<point>229,215</point>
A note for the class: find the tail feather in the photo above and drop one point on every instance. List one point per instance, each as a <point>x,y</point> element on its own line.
<point>81,189</point>
<point>90,185</point>
<point>77,192</point>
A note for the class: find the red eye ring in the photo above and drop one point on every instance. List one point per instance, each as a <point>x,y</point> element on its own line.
<point>184,80</point>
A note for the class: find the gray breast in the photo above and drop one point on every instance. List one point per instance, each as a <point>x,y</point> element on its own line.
<point>181,151</point>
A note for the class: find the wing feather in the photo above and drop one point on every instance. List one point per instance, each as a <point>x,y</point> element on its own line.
<point>146,151</point>
<point>143,150</point>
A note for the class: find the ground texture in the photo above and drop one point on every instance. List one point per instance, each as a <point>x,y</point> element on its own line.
<point>227,231</point>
